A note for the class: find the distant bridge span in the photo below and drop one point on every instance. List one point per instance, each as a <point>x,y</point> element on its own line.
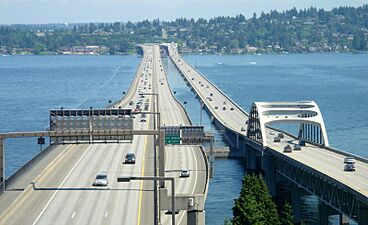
<point>305,113</point>
<point>317,168</point>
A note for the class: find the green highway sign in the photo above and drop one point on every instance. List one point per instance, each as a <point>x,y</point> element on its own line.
<point>173,140</point>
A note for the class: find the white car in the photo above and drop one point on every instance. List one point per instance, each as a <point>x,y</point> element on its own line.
<point>184,173</point>
<point>272,132</point>
<point>349,159</point>
<point>101,180</point>
<point>349,167</point>
<point>349,164</point>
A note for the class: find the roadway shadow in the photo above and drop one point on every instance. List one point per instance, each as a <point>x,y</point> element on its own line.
<point>15,189</point>
<point>87,189</point>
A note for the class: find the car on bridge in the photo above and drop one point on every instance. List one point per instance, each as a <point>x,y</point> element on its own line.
<point>349,164</point>
<point>349,167</point>
<point>297,147</point>
<point>184,173</point>
<point>287,149</point>
<point>349,159</point>
<point>129,158</point>
<point>101,180</point>
<point>277,139</point>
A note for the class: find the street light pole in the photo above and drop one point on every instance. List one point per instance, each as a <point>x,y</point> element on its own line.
<point>171,179</point>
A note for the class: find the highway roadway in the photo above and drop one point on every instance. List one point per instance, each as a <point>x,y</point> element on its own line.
<point>178,157</point>
<point>220,105</point>
<point>322,159</point>
<point>64,194</point>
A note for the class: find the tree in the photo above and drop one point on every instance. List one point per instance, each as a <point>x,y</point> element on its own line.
<point>254,205</point>
<point>227,221</point>
<point>286,216</point>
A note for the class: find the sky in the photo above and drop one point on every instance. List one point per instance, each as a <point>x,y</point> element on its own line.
<point>78,11</point>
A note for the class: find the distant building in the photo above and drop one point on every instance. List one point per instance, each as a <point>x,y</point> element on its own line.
<point>84,50</point>
<point>40,34</point>
<point>251,49</point>
<point>236,51</point>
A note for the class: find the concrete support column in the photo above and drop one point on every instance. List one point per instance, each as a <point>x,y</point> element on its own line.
<point>324,212</point>
<point>295,198</point>
<point>344,220</point>
<point>237,141</point>
<point>251,159</point>
<point>161,157</point>
<point>268,166</point>
<point>195,217</point>
<point>363,215</point>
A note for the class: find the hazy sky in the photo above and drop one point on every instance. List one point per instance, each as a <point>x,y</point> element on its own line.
<point>69,11</point>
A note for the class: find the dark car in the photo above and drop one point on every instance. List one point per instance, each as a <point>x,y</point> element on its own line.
<point>287,149</point>
<point>129,158</point>
<point>277,139</point>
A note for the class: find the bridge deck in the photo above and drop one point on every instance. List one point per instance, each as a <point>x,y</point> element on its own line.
<point>179,157</point>
<point>322,159</point>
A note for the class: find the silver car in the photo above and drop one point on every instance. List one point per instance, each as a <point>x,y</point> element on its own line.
<point>184,173</point>
<point>349,164</point>
<point>349,167</point>
<point>101,180</point>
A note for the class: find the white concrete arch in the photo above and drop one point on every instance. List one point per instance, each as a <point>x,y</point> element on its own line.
<point>305,113</point>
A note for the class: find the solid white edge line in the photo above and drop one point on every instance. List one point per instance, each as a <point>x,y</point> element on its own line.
<point>66,177</point>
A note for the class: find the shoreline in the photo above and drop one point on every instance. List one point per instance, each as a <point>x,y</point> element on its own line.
<point>218,54</point>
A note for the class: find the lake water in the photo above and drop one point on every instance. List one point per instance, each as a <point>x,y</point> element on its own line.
<point>31,85</point>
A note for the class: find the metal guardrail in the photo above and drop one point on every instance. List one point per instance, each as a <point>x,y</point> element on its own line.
<point>35,159</point>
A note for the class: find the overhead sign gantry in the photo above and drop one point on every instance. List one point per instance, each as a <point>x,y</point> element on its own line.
<point>90,119</point>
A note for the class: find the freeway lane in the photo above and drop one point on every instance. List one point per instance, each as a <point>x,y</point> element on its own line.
<point>326,162</point>
<point>64,192</point>
<point>178,157</point>
<point>220,105</point>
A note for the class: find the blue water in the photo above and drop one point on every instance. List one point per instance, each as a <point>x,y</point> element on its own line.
<point>31,85</point>
<point>337,82</point>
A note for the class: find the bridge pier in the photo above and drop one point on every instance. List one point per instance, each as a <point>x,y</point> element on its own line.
<point>237,141</point>
<point>268,166</point>
<point>251,159</point>
<point>344,220</point>
<point>295,200</point>
<point>324,212</point>
<point>363,215</point>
